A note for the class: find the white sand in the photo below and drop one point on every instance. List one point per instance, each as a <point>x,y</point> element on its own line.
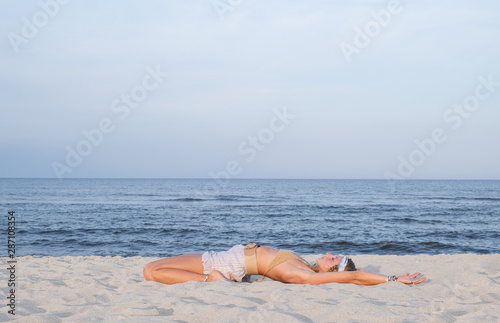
<point>52,289</point>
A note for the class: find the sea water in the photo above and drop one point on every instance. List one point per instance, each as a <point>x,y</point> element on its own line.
<point>166,217</point>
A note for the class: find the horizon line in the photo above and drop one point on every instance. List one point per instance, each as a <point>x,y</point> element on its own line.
<point>266,178</point>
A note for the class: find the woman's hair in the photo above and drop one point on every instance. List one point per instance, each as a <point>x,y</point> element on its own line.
<point>349,267</point>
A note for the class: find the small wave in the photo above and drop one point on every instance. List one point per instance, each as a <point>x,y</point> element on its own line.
<point>437,245</point>
<point>177,230</point>
<point>234,197</point>
<point>189,199</point>
<point>484,198</point>
<point>462,198</point>
<point>136,194</point>
<point>405,220</point>
<point>402,247</point>
<point>93,243</point>
<point>250,206</point>
<point>216,198</point>
<point>330,207</point>
<point>346,243</point>
<point>278,215</point>
<point>56,231</point>
<point>148,242</point>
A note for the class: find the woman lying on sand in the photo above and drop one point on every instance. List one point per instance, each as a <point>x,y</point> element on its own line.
<point>285,266</point>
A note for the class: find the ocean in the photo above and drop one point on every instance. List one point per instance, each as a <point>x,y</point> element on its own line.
<point>167,217</point>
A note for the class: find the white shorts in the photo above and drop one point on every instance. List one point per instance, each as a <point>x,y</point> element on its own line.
<point>230,263</point>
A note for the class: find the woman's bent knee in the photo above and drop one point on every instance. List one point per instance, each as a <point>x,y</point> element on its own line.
<point>148,271</point>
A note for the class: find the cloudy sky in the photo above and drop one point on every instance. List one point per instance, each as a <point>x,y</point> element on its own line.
<point>250,89</point>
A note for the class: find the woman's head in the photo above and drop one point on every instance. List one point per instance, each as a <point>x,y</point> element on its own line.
<point>333,263</point>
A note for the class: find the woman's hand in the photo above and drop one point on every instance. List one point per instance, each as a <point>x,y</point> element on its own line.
<point>407,279</point>
<point>215,276</point>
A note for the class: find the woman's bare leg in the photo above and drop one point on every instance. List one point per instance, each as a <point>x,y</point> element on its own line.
<point>175,270</point>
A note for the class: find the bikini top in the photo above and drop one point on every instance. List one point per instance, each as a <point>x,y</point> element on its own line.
<point>281,257</point>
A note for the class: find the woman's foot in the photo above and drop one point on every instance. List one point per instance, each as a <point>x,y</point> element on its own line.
<point>215,276</point>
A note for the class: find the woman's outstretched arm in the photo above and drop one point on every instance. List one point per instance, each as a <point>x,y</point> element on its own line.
<point>359,277</point>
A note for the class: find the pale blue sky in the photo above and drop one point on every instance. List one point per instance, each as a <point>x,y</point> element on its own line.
<point>227,78</point>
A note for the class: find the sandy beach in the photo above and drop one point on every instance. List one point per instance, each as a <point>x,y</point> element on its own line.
<point>79,289</point>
